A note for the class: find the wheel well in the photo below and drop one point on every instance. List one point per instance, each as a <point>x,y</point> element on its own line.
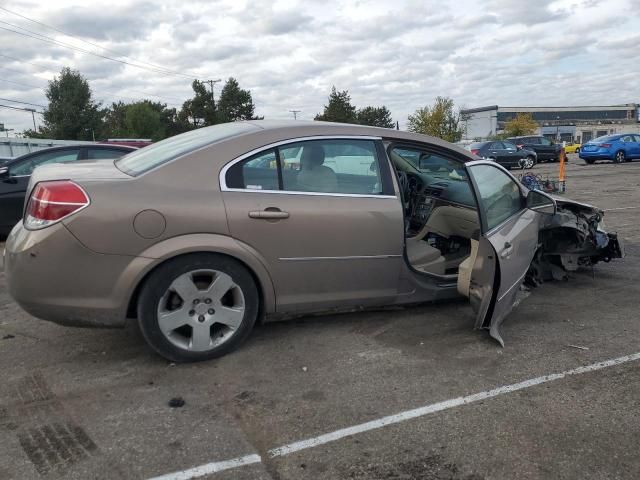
<point>132,311</point>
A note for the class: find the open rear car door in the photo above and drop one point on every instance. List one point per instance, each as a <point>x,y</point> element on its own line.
<point>504,248</point>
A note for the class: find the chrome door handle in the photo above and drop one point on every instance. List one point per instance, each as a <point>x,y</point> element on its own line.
<point>269,214</point>
<point>508,250</point>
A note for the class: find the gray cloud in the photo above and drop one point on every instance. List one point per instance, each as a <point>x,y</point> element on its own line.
<point>401,55</point>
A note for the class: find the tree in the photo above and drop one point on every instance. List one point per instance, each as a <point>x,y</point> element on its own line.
<point>200,110</point>
<point>440,120</point>
<point>143,121</point>
<point>521,124</point>
<point>339,108</point>
<point>235,103</point>
<point>71,114</point>
<point>375,117</point>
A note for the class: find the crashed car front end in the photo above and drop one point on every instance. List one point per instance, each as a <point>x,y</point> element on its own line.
<point>572,238</point>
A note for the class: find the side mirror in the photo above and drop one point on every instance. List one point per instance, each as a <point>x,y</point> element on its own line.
<point>541,202</point>
<point>4,173</point>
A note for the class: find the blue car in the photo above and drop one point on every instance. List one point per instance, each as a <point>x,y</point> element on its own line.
<point>619,148</point>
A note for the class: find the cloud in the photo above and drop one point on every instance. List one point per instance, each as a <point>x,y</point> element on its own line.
<point>289,52</point>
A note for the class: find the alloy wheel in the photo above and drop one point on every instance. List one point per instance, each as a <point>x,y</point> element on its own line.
<point>201,310</point>
<point>620,157</point>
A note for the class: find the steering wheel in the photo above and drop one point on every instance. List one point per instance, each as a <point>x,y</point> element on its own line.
<point>403,180</point>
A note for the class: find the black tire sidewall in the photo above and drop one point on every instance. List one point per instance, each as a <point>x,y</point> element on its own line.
<point>160,280</point>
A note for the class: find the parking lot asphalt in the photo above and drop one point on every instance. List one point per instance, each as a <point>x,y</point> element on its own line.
<point>81,403</point>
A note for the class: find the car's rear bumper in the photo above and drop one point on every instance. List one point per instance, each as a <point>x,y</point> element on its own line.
<point>51,275</point>
<point>596,155</point>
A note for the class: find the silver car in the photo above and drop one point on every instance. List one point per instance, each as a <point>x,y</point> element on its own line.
<point>199,236</point>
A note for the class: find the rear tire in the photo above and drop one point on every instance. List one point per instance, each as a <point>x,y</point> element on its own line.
<point>198,307</point>
<point>577,151</point>
<point>589,161</point>
<point>620,157</point>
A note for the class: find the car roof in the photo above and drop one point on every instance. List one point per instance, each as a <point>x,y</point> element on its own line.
<point>284,129</point>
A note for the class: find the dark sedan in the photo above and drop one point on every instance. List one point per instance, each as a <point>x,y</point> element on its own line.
<point>15,174</point>
<point>504,153</point>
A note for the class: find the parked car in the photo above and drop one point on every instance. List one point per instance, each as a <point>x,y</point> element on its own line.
<point>15,174</point>
<point>572,147</point>
<point>546,150</point>
<point>505,153</point>
<point>618,148</point>
<point>198,236</point>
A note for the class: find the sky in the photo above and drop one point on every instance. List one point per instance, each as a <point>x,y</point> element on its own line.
<point>289,53</point>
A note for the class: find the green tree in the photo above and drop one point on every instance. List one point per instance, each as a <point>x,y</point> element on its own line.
<point>143,121</point>
<point>339,108</point>
<point>235,103</point>
<point>375,117</point>
<point>71,114</point>
<point>200,110</point>
<point>114,125</point>
<point>440,120</point>
<point>521,124</point>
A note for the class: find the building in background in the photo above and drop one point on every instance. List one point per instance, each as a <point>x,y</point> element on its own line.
<point>578,124</point>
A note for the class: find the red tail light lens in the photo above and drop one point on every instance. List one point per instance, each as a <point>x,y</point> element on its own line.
<point>52,201</point>
<point>475,151</point>
<point>605,145</point>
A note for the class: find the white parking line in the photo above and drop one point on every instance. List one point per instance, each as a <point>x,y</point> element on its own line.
<point>209,468</point>
<point>620,208</point>
<point>390,420</point>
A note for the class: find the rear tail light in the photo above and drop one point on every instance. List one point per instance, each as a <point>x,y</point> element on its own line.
<point>605,145</point>
<point>475,151</point>
<point>52,201</point>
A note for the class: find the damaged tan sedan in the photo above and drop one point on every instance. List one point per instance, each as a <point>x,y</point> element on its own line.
<point>199,236</point>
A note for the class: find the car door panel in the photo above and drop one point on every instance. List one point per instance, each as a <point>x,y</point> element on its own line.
<point>324,250</point>
<point>505,250</point>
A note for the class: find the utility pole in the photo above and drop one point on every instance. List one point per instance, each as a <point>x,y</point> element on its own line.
<point>295,113</point>
<point>33,116</point>
<point>211,84</point>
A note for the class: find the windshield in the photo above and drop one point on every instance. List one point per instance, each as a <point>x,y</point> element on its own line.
<point>154,155</point>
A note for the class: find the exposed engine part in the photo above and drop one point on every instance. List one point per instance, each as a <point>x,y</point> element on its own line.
<point>570,239</point>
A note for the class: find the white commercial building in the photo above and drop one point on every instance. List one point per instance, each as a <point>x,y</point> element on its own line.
<point>578,124</point>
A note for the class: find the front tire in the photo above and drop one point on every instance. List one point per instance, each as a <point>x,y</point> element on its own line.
<point>577,150</point>
<point>198,307</point>
<point>620,157</point>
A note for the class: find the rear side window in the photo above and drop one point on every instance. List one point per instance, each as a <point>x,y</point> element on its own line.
<point>342,166</point>
<point>500,196</point>
<point>259,172</point>
<point>162,152</point>
<point>531,140</point>
<point>105,153</point>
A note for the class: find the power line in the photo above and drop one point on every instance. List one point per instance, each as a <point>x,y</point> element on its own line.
<point>20,101</point>
<point>92,80</point>
<point>46,39</point>
<point>91,43</point>
<point>22,109</point>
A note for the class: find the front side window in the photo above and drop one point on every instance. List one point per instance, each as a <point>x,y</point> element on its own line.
<point>258,172</point>
<point>27,167</point>
<point>331,166</point>
<point>500,195</point>
<point>545,141</point>
<point>531,141</point>
<point>509,146</point>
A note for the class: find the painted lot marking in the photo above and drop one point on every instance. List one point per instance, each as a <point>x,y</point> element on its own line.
<point>283,450</point>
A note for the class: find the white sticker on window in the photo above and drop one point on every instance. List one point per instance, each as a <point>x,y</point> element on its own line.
<point>254,187</point>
